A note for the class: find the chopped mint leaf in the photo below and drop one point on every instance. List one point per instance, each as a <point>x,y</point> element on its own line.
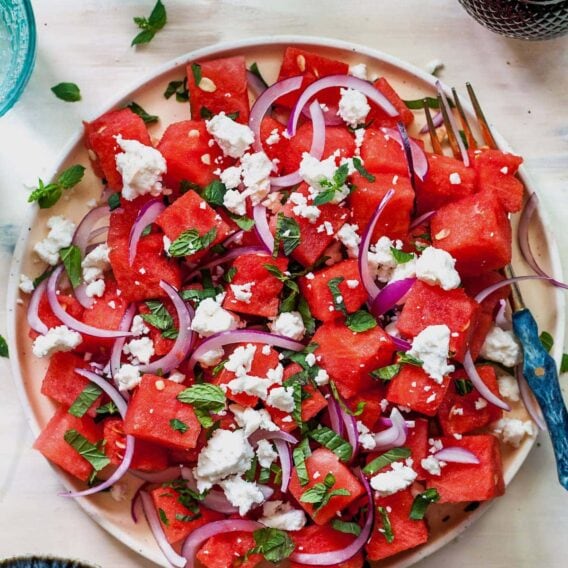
<point>405,358</point>
<point>151,25</point>
<point>421,502</point>
<point>386,373</point>
<point>163,516</point>
<point>346,527</point>
<point>3,348</point>
<point>463,386</point>
<point>338,302</point>
<point>45,274</point>
<point>243,222</point>
<point>179,89</point>
<point>71,258</point>
<point>114,201</point>
<point>108,409</point>
<point>417,104</point>
<point>189,242</point>
<point>386,531</point>
<point>179,426</point>
<point>321,494</point>
<point>332,441</point>
<point>360,321</point>
<point>137,109</point>
<point>307,318</point>
<point>287,234</point>
<point>358,165</point>
<point>48,195</point>
<point>205,113</point>
<point>564,363</point>
<point>274,544</point>
<point>332,186</point>
<point>85,400</point>
<point>68,92</point>
<point>547,340</point>
<point>214,193</point>
<point>390,456</point>
<point>87,450</point>
<point>229,275</point>
<point>360,405</point>
<point>196,72</point>
<point>299,455</point>
<point>400,256</point>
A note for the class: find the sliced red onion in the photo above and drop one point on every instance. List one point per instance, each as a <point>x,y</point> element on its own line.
<point>152,517</point>
<point>422,219</point>
<point>116,351</point>
<point>184,341</point>
<point>97,232</point>
<point>122,469</point>
<point>69,320</point>
<point>285,463</point>
<point>261,227</point>
<point>255,437</point>
<point>199,536</point>
<point>395,435</point>
<point>84,231</point>
<point>330,116</point>
<point>401,344</point>
<point>340,556</point>
<point>500,317</point>
<point>146,216</point>
<point>346,81</point>
<point>407,153</point>
<point>232,254</point>
<point>233,238</point>
<point>134,503</point>
<point>352,432</point>
<point>265,101</point>
<point>455,454</point>
<point>334,415</point>
<point>363,259</point>
<point>33,318</point>
<point>243,336</point>
<point>453,124</point>
<point>391,295</point>
<point>316,149</point>
<point>477,381</point>
<point>483,294</point>
<point>523,240</point>
<point>255,84</point>
<point>80,293</point>
<point>437,119</point>
<point>529,400</point>
<point>163,476</point>
<point>417,161</point>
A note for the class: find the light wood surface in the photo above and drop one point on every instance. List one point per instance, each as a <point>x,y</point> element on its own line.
<point>522,86</point>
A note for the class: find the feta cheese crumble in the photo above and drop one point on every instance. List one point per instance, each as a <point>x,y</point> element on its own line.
<point>501,346</point>
<point>350,239</point>
<point>26,284</point>
<point>509,388</point>
<point>211,358</point>
<point>242,292</point>
<point>265,453</point>
<point>289,324</point>
<point>302,209</point>
<point>251,420</point>
<point>353,107</point>
<point>317,173</point>
<point>455,178</point>
<point>242,494</point>
<point>256,169</point>
<point>233,138</point>
<point>281,398</point>
<point>60,235</point>
<point>140,350</point>
<point>398,478</point>
<point>432,465</point>
<point>282,516</point>
<point>512,430</point>
<point>431,346</point>
<point>437,268</point>
<point>138,326</point>
<point>127,377</point>
<point>359,70</point>
<point>211,318</point>
<point>96,288</point>
<point>141,168</point>
<point>321,378</point>
<point>235,201</point>
<point>59,338</point>
<point>366,438</point>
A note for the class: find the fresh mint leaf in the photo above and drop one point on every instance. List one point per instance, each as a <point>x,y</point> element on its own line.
<point>205,113</point>
<point>287,235</point>
<point>243,222</point>
<point>159,317</point>
<point>335,393</point>
<point>307,318</point>
<point>113,201</point>
<point>400,256</point>
<point>564,363</point>
<point>360,321</point>
<point>299,455</point>
<point>386,373</point>
<point>150,26</point>
<point>285,279</point>
<point>196,72</point>
<point>189,242</point>
<point>338,302</point>
<point>214,193</point>
<point>137,109</point>
<point>68,92</point>
<point>321,494</point>
<point>390,456</point>
<point>163,516</point>
<point>547,340</point>
<point>463,386</point>
<point>179,89</point>
<point>330,187</point>
<point>346,527</point>
<point>48,195</point>
<point>421,502</point>
<point>289,301</point>
<point>71,258</point>
<point>87,450</point>
<point>358,165</point>
<point>386,531</point>
<point>196,295</point>
<point>204,398</point>
<point>3,348</point>
<point>229,275</point>
<point>85,400</point>
<point>274,544</point>
<point>417,104</point>
<point>108,409</point>
<point>179,426</point>
<point>406,359</point>
<point>332,441</point>
<point>250,473</point>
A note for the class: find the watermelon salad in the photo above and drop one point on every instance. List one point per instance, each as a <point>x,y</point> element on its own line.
<point>285,317</point>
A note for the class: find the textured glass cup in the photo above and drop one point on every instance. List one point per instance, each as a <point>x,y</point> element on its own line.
<point>521,19</point>
<point>17,50</point>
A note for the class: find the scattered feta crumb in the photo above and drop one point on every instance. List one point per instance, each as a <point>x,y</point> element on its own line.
<point>281,398</point>
<point>231,177</point>
<point>366,438</point>
<point>350,239</point>
<point>242,494</point>
<point>321,378</point>
<point>119,492</point>
<point>455,178</point>
<point>431,346</point>
<point>480,403</point>
<point>432,465</point>
<point>138,326</point>
<point>96,263</point>
<point>59,338</point>
<point>317,174</point>
<point>398,478</point>
<point>265,453</point>
<point>211,318</point>
<point>240,360</point>
<point>282,516</point>
<point>60,235</point>
<point>501,346</point>
<point>211,358</point>
<point>437,268</point>
<point>251,420</point>
<point>256,169</point>
<point>359,70</point>
<point>353,107</point>
<point>273,137</point>
<point>512,430</point>
<point>26,284</point>
<point>176,377</point>
<point>243,292</point>
<point>289,324</point>
<point>95,289</point>
<point>233,138</point>
<point>504,170</point>
<point>235,201</point>
<point>352,284</point>
<point>127,377</point>
<point>508,387</point>
<point>140,350</point>
<point>302,209</point>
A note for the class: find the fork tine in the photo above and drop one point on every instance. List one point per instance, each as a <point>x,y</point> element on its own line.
<point>471,141</point>
<point>449,129</point>
<point>484,126</point>
<point>436,146</point>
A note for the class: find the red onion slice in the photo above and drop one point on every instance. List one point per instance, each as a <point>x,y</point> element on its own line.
<point>285,463</point>
<point>338,557</point>
<point>184,341</point>
<point>33,318</point>
<point>422,219</point>
<point>116,351</point>
<point>84,231</point>
<point>255,83</point>
<point>453,123</point>
<point>334,414</point>
<point>255,437</point>
<point>146,216</point>
<point>330,116</point>
<point>363,259</point>
<point>391,295</point>
<point>265,101</point>
<point>243,336</point>
<point>529,400</point>
<point>163,476</point>
<point>352,432</point>
<point>418,161</point>
<point>477,381</point>
<point>500,317</point>
<point>198,537</point>
<point>122,469</point>
<point>346,81</point>
<point>455,454</point>
<point>437,119</point>
<point>261,227</point>
<point>395,435</point>
<point>152,517</point>
<point>401,344</point>
<point>483,294</point>
<point>69,320</point>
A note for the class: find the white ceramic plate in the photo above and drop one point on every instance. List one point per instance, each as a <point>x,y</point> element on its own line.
<point>446,522</point>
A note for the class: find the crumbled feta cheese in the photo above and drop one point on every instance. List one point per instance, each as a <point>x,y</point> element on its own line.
<point>127,377</point>
<point>281,398</point>
<point>396,479</point>
<point>302,209</point>
<point>233,138</point>
<point>289,324</point>
<point>176,377</point>
<point>96,288</point>
<point>381,261</point>
<point>352,284</point>
<point>231,177</point>
<point>366,438</point>
<point>384,405</point>
<point>211,318</point>
<point>509,387</point>
<point>140,350</point>
<point>273,137</point>
<point>456,411</point>
<point>353,107</point>
<point>435,445</point>
<point>242,494</point>
<point>266,349</point>
<point>480,403</point>
<point>359,139</point>
<point>321,378</point>
<point>350,239</point>
<point>504,170</point>
<point>211,358</point>
<point>432,465</point>
<point>141,168</point>
<point>96,263</point>
<point>235,201</point>
<point>59,338</point>
<point>227,453</point>
<point>26,284</point>
<point>310,359</point>
<point>512,430</point>
<point>437,268</point>
<point>138,326</point>
<point>251,420</point>
<point>317,174</point>
<point>455,178</point>
<point>243,292</point>
<point>60,235</point>
<point>501,346</point>
<point>265,453</point>
<point>431,346</point>
<point>282,516</point>
<point>359,70</point>
<point>275,375</point>
<point>240,360</point>
<point>256,170</point>
<point>167,244</point>
<point>254,386</point>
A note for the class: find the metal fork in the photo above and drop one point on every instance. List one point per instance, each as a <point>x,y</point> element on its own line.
<point>539,368</point>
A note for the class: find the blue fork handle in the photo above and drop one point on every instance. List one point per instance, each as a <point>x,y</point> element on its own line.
<point>540,372</point>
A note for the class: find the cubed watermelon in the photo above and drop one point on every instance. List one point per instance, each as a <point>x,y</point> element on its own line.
<point>46,315</point>
<point>371,401</point>
<point>379,117</point>
<point>382,154</point>
<point>229,550</point>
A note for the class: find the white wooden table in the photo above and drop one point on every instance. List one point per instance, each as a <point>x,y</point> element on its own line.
<point>523,88</point>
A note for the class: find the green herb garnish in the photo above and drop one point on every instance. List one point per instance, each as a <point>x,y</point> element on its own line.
<point>390,456</point>
<point>113,201</point>
<point>358,165</point>
<point>287,235</point>
<point>48,195</point>
<point>85,400</point>
<point>320,494</point>
<point>87,450</point>
<point>386,373</point>
<point>332,441</point>
<point>71,258</point>
<point>204,398</point>
<point>189,242</point>
<point>151,25</point>
<point>386,531</point>
<point>137,109</point>
<point>345,527</point>
<point>400,256</point>
<point>331,187</point>
<point>360,321</point>
<point>299,455</point>
<point>68,92</point>
<point>3,348</point>
<point>547,340</point>
<point>179,426</point>
<point>421,502</point>
<point>274,544</point>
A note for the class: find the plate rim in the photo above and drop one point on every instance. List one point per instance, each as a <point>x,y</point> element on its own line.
<point>89,506</point>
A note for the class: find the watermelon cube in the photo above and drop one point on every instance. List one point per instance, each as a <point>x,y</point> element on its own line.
<point>461,482</point>
<point>229,550</point>
<point>321,463</point>
<point>275,145</point>
<point>46,315</point>
<point>371,400</point>
<point>481,244</point>
<point>382,154</point>
<point>153,407</point>
<point>430,305</point>
<point>318,295</point>
<point>380,117</point>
